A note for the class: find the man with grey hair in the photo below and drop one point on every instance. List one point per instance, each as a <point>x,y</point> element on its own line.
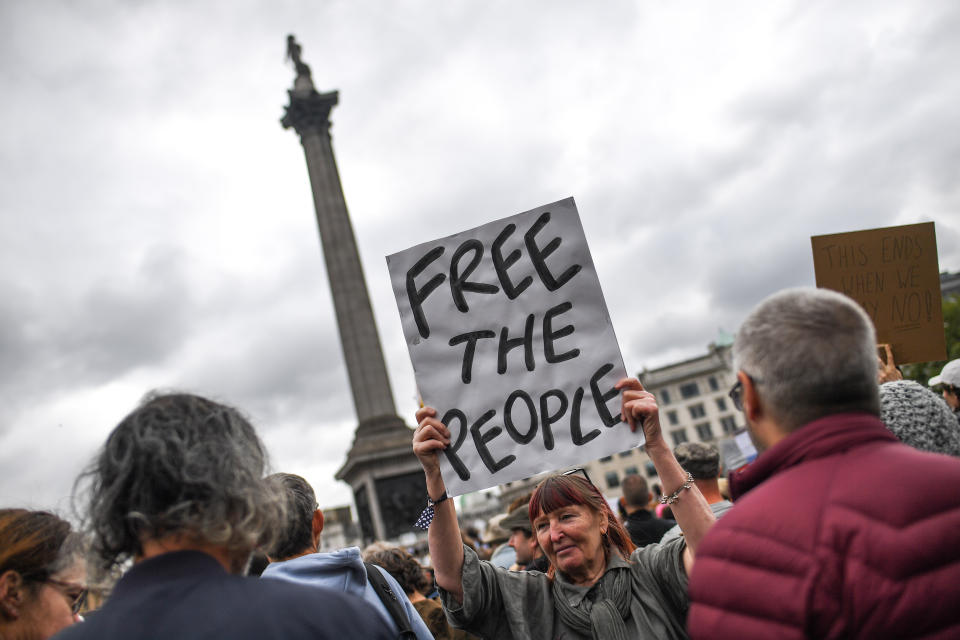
<point>178,488</point>
<point>702,461</point>
<point>295,557</point>
<point>839,530</point>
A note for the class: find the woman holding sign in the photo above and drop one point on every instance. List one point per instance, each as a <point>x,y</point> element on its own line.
<point>598,585</point>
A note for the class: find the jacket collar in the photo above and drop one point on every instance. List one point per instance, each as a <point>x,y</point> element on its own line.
<point>172,566</point>
<point>640,514</point>
<point>823,437</point>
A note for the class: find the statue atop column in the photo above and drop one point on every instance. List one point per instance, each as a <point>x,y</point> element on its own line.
<point>308,110</point>
<point>293,53</point>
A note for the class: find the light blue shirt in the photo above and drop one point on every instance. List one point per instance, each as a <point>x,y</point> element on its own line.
<point>343,570</point>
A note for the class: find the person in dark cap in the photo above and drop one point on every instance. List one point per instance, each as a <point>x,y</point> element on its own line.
<point>919,417</point>
<point>702,461</point>
<point>530,556</point>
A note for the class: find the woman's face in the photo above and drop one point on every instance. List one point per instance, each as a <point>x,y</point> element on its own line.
<point>572,539</point>
<point>50,609</point>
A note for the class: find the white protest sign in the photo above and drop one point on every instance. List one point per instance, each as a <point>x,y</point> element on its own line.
<point>746,446</point>
<point>733,456</point>
<point>511,342</point>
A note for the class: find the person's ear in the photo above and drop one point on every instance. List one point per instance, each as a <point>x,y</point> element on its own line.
<point>604,523</point>
<point>752,408</point>
<point>316,526</point>
<point>11,594</point>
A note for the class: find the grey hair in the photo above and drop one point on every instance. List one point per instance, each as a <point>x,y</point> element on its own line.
<point>178,464</point>
<point>72,550</point>
<point>811,353</point>
<point>699,459</point>
<point>301,502</point>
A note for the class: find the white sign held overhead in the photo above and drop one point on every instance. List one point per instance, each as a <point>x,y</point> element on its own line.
<point>511,342</point>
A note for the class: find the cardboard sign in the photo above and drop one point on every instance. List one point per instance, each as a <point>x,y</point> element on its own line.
<point>893,273</point>
<point>511,342</point>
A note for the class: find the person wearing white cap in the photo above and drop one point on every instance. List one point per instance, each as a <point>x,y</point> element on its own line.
<point>949,381</point>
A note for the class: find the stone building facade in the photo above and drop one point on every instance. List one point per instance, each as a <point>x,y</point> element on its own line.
<point>694,407</point>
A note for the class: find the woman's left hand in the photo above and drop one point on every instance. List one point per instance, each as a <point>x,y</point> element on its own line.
<point>639,407</point>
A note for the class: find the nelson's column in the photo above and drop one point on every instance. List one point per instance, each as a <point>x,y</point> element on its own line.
<point>388,485</point>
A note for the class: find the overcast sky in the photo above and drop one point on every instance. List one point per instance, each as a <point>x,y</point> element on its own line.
<point>157,227</point>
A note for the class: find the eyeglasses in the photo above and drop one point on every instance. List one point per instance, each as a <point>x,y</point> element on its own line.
<point>736,392</point>
<point>75,594</point>
<point>579,470</point>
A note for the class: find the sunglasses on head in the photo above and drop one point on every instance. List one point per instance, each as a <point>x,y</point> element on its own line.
<point>580,471</point>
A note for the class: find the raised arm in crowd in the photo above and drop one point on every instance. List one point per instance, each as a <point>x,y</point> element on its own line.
<point>643,591</point>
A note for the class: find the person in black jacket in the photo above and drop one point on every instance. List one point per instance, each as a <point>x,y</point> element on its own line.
<point>644,527</point>
<point>178,488</point>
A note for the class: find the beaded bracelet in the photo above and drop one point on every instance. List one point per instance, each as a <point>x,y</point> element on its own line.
<point>675,496</point>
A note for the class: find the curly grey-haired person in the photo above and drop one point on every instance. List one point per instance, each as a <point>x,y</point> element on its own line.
<point>179,488</point>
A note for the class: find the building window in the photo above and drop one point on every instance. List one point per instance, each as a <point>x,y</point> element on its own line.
<point>721,404</point>
<point>689,390</point>
<point>632,471</point>
<point>714,386</point>
<point>606,458</point>
<point>705,431</point>
<point>672,417</point>
<point>626,454</point>
<point>613,479</point>
<point>679,436</point>
<point>729,424</point>
<point>697,411</point>
<point>651,469</point>
<point>665,396</point>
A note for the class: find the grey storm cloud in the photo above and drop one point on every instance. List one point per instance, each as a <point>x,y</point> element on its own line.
<point>156,223</point>
<point>74,339</point>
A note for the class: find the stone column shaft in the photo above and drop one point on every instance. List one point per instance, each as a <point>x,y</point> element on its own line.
<point>372,396</point>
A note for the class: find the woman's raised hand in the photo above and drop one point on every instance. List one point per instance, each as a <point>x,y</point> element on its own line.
<point>431,437</point>
<point>639,408</point>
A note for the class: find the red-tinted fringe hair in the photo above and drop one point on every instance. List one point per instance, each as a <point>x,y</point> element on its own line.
<point>557,491</point>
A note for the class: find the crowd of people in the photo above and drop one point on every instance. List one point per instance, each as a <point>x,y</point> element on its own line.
<point>847,525</point>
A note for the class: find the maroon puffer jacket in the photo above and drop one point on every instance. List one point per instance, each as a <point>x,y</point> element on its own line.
<point>851,535</point>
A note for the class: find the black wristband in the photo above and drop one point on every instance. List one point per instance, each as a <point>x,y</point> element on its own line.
<point>426,517</point>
